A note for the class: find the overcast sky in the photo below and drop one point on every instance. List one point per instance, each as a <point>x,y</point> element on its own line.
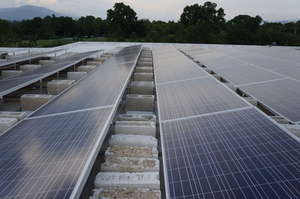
<point>270,10</point>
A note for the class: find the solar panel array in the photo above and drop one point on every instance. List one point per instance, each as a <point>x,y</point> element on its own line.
<point>259,71</point>
<point>216,149</point>
<point>51,156</point>
<point>27,57</point>
<point>12,84</point>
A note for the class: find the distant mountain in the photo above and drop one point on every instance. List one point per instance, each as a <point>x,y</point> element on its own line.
<point>26,12</point>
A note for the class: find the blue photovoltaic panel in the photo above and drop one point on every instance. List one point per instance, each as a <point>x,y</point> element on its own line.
<point>43,158</point>
<point>283,96</point>
<point>195,97</point>
<point>233,155</point>
<point>101,88</point>
<point>26,78</point>
<point>244,74</point>
<point>174,66</point>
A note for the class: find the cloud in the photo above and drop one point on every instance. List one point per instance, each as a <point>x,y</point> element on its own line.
<point>36,2</point>
<point>169,9</point>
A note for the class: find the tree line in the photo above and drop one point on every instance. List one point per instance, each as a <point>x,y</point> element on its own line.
<point>197,24</point>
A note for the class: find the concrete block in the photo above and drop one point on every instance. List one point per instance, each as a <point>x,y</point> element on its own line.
<point>29,67</point>
<point>127,180</point>
<point>142,87</point>
<point>139,102</point>
<point>280,120</point>
<point>54,87</point>
<point>130,164</point>
<point>6,123</point>
<point>107,54</point>
<point>30,102</point>
<point>252,101</point>
<point>136,117</point>
<point>144,69</point>
<point>126,193</point>
<point>294,129</point>
<point>46,61</point>
<point>145,59</point>
<point>10,73</point>
<point>76,75</point>
<point>16,115</point>
<point>144,64</point>
<point>135,128</point>
<point>143,77</point>
<point>127,151</point>
<point>3,55</point>
<point>94,63</point>
<point>133,141</point>
<point>86,68</point>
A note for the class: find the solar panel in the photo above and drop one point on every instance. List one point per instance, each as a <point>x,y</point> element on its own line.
<point>234,155</point>
<point>181,67</point>
<point>244,74</point>
<point>26,57</point>
<point>26,78</point>
<point>194,97</point>
<point>101,88</point>
<point>283,96</point>
<point>291,71</point>
<point>44,158</point>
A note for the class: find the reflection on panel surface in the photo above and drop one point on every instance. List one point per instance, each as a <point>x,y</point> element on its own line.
<point>101,88</point>
<point>244,74</point>
<point>195,97</point>
<point>171,65</point>
<point>43,158</point>
<point>238,155</point>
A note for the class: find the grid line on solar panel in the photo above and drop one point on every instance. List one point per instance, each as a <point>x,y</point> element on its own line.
<point>195,97</point>
<point>69,112</point>
<point>183,80</point>
<point>262,82</point>
<point>243,74</point>
<point>45,157</point>
<point>282,96</point>
<point>232,155</point>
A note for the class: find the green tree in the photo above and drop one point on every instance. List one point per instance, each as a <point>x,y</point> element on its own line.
<point>202,23</point>
<point>122,20</point>
<point>242,29</point>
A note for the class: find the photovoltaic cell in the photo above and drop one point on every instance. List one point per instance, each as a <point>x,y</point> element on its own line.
<point>233,155</point>
<point>43,158</point>
<point>283,96</point>
<point>195,97</point>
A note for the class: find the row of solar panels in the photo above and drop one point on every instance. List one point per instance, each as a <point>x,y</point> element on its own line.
<point>272,80</point>
<point>12,84</point>
<point>27,57</point>
<point>50,154</point>
<point>216,145</point>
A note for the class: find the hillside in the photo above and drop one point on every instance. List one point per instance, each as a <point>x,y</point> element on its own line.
<point>25,12</point>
